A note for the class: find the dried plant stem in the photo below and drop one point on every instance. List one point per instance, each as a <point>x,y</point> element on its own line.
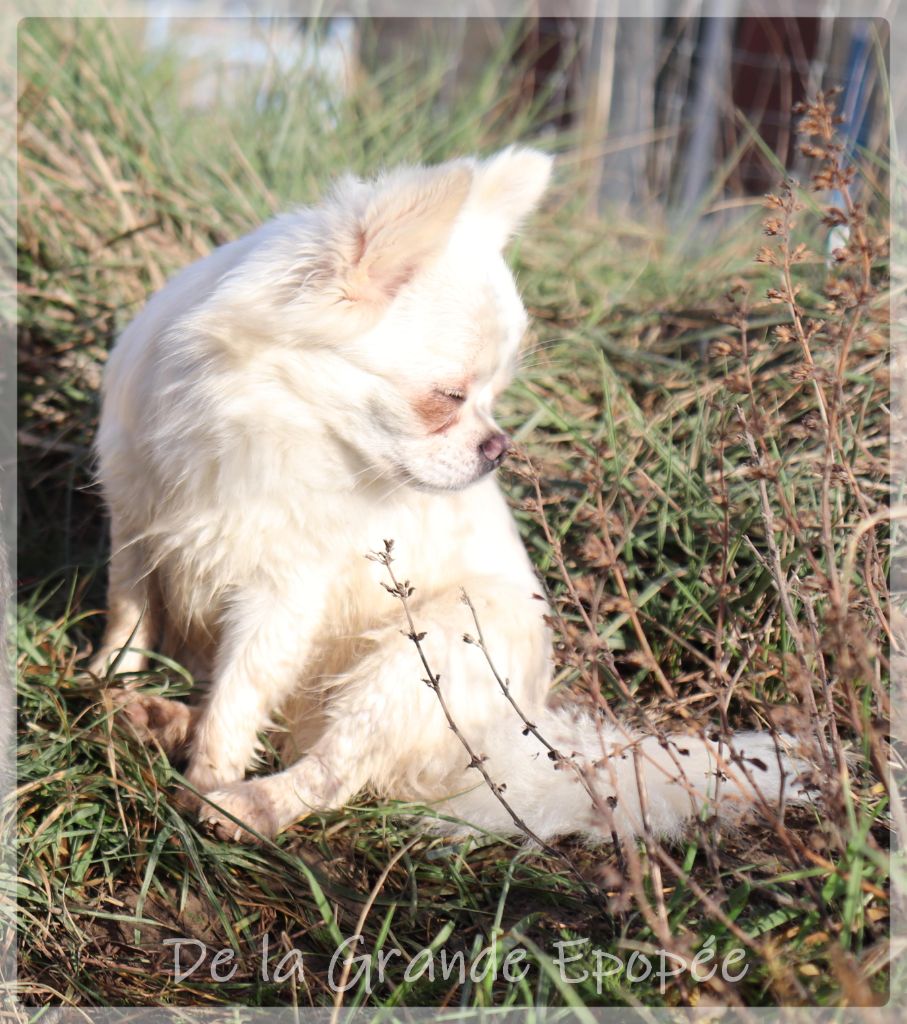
<point>757,454</point>
<point>556,548</point>
<point>554,755</point>
<point>360,924</point>
<point>777,569</point>
<point>477,761</point>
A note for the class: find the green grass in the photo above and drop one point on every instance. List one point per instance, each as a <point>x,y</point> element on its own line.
<point>639,410</point>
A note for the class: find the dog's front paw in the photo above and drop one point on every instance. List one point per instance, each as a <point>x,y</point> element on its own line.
<point>245,801</point>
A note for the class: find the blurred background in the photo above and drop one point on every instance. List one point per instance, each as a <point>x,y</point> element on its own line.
<point>677,110</point>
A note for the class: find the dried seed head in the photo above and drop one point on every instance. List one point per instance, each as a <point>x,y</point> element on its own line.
<point>720,347</point>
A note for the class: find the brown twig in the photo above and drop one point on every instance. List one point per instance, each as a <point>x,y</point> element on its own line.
<point>402,591</point>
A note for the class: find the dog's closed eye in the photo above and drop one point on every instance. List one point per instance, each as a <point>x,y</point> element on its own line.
<point>440,408</point>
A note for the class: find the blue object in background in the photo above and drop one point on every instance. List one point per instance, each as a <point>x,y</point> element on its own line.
<point>855,110</point>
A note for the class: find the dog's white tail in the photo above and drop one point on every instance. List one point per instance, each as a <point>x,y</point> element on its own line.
<point>601,781</point>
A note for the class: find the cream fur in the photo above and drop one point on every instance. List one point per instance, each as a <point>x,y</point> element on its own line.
<point>274,414</point>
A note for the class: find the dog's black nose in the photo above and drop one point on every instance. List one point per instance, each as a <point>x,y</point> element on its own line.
<point>494,448</point>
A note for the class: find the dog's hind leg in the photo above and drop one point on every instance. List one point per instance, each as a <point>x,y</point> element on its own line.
<point>342,761</point>
<point>155,721</point>
<point>132,617</point>
<point>368,731</point>
<point>325,779</point>
<point>386,728</point>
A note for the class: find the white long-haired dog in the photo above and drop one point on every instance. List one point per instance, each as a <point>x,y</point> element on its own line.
<point>274,414</point>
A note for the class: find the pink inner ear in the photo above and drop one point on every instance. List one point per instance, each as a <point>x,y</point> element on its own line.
<point>407,224</point>
<point>371,282</point>
<point>373,278</point>
<point>392,283</point>
<point>359,251</point>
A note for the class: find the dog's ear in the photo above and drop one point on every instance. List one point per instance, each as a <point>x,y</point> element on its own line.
<point>405,222</point>
<point>508,186</point>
